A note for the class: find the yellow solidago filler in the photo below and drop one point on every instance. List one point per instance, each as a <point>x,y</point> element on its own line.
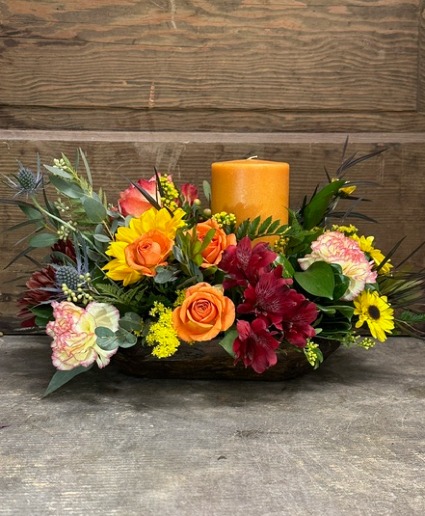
<point>280,245</point>
<point>181,296</point>
<point>366,245</point>
<point>224,219</point>
<point>376,312</point>
<point>313,354</point>
<point>162,334</point>
<point>347,230</point>
<point>119,269</point>
<point>366,343</point>
<point>170,193</point>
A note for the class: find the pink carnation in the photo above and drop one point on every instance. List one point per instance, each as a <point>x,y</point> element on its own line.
<point>335,247</point>
<point>73,331</point>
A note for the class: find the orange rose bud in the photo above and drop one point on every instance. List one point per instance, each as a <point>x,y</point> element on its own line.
<point>220,241</point>
<point>148,252</point>
<point>204,313</point>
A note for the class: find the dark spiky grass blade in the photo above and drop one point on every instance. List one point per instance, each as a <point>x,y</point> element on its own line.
<point>158,182</point>
<point>412,253</point>
<point>148,197</point>
<point>352,161</point>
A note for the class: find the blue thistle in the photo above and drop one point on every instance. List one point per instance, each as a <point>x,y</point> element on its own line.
<point>26,182</point>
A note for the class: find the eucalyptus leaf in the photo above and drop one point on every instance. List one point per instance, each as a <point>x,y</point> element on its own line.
<point>165,275</point>
<point>65,187</point>
<point>108,343</point>
<point>101,238</point>
<point>131,322</point>
<point>62,377</point>
<point>58,172</point>
<point>30,211</point>
<point>95,210</point>
<point>126,339</point>
<point>87,167</point>
<point>317,280</point>
<point>207,190</point>
<point>43,240</point>
<point>102,331</point>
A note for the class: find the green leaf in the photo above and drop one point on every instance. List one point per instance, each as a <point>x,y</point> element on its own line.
<point>164,275</point>
<point>58,172</point>
<point>345,310</point>
<point>43,240</point>
<point>411,317</point>
<point>106,338</point>
<point>316,209</point>
<point>108,343</point>
<point>95,210</point>
<point>131,322</point>
<point>65,187</point>
<point>317,280</point>
<point>38,222</point>
<point>341,285</point>
<point>62,377</point>
<point>207,239</point>
<point>30,211</point>
<point>227,341</point>
<point>288,270</point>
<point>207,190</point>
<point>253,226</point>
<point>101,238</point>
<point>264,226</point>
<point>102,331</point>
<point>87,167</point>
<point>126,339</point>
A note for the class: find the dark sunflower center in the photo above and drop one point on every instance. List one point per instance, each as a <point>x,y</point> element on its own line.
<point>374,312</point>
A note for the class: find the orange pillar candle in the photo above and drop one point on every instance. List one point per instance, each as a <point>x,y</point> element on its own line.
<point>250,188</point>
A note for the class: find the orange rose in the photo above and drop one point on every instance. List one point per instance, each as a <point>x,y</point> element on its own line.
<point>204,313</point>
<point>220,241</point>
<point>148,252</point>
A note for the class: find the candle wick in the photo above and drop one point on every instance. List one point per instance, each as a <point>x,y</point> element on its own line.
<point>252,157</point>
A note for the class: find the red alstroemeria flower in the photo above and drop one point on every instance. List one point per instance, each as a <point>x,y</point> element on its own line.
<point>189,193</point>
<point>255,345</point>
<point>244,263</point>
<point>268,297</point>
<point>297,318</point>
<point>281,306</point>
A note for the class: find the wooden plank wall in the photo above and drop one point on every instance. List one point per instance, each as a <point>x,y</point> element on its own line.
<point>182,83</point>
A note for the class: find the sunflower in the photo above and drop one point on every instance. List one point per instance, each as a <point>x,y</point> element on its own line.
<point>142,246</point>
<point>376,312</point>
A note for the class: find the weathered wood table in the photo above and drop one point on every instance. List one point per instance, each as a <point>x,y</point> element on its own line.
<point>345,440</point>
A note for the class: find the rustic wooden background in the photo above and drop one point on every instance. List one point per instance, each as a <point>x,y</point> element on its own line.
<point>182,83</point>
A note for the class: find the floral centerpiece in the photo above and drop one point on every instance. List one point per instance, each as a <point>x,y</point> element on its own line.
<point>155,269</point>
